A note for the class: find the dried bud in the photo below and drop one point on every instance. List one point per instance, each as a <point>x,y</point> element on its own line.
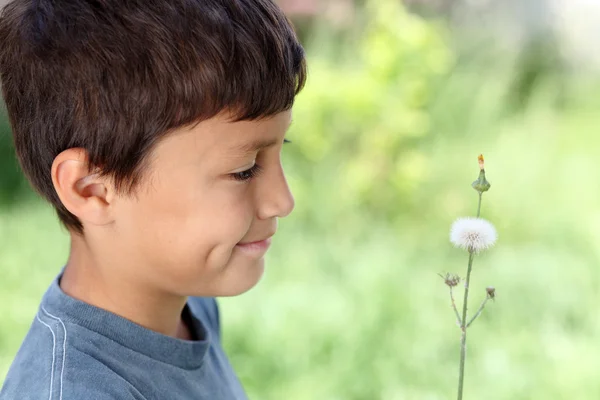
<point>491,292</point>
<point>481,184</point>
<point>451,280</point>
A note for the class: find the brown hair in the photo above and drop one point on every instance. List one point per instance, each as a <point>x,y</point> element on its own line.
<point>113,76</point>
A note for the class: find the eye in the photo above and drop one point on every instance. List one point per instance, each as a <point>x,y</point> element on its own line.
<point>247,174</point>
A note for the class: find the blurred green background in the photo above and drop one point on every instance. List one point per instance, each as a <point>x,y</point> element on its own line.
<point>400,101</point>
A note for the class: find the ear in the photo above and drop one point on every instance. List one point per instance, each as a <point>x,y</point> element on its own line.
<point>84,193</point>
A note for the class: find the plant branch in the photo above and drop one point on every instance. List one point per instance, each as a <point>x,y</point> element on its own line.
<point>478,312</point>
<point>458,320</point>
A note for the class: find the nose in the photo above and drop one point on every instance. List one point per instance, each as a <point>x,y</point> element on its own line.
<point>275,198</point>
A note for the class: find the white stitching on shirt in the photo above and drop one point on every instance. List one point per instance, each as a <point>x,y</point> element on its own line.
<point>64,357</point>
<point>53,354</point>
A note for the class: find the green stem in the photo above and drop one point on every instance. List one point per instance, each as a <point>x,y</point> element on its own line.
<point>463,327</point>
<point>458,320</point>
<point>478,312</point>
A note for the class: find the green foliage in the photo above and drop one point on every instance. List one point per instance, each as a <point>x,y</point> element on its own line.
<point>356,124</point>
<point>12,185</point>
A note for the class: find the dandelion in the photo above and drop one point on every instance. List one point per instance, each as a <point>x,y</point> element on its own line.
<point>473,234</point>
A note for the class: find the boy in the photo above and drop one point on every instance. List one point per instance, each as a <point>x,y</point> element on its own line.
<point>155,129</point>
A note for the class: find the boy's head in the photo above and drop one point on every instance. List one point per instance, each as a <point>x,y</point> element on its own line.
<point>155,128</point>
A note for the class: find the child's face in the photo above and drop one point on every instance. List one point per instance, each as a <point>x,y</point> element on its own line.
<point>183,230</point>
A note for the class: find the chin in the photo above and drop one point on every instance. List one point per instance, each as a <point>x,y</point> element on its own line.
<point>242,279</point>
<point>234,280</point>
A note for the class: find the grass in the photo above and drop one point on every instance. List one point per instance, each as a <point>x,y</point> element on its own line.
<point>356,311</point>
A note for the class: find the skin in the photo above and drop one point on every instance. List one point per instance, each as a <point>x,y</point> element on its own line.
<point>185,230</point>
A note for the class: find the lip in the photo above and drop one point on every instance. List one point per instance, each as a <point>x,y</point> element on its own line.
<point>260,246</point>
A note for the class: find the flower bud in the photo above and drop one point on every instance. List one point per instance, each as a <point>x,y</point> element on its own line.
<point>481,184</point>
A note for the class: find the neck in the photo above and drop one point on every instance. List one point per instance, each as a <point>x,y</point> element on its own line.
<point>106,284</point>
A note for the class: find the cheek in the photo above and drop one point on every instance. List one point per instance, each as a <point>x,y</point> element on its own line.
<point>190,226</point>
<point>224,220</point>
<point>185,242</point>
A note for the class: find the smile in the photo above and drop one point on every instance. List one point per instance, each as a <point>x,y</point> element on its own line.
<point>255,247</point>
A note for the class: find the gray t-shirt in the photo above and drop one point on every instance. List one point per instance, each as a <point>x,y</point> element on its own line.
<point>75,351</point>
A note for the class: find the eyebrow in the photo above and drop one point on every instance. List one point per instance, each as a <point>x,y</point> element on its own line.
<point>256,145</point>
<point>260,144</point>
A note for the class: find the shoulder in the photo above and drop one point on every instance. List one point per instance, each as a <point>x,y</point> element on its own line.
<point>32,372</point>
<point>70,383</point>
<point>207,309</point>
<point>49,365</point>
<point>78,392</point>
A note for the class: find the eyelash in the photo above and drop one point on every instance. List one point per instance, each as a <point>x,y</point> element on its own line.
<point>253,172</point>
<point>248,174</point>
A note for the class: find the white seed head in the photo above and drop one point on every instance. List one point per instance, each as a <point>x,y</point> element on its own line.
<point>473,234</point>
